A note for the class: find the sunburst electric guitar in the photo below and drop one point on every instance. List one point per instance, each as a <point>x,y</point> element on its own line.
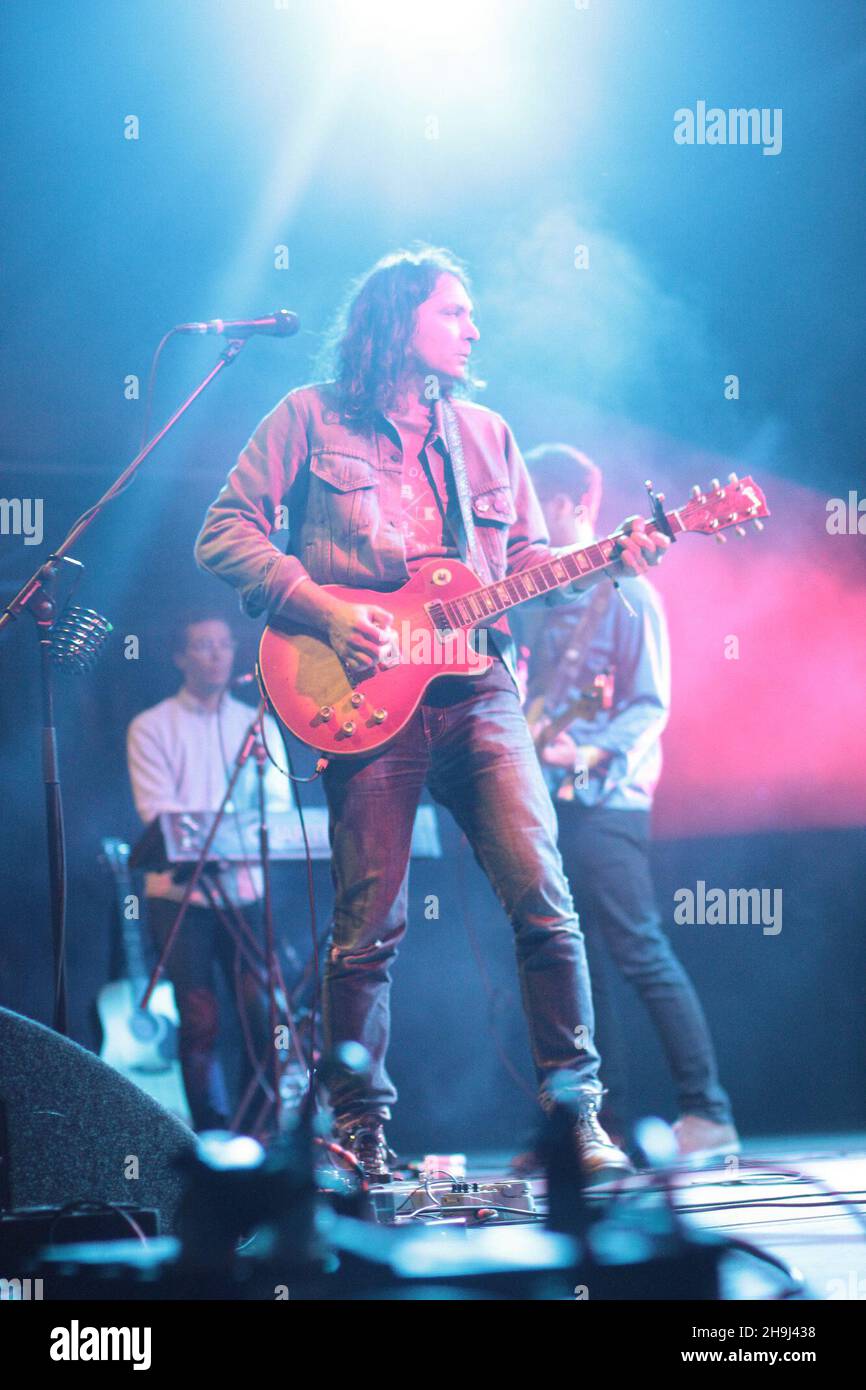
<point>343,714</point>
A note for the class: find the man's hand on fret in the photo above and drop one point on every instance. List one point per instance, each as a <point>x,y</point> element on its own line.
<point>637,548</point>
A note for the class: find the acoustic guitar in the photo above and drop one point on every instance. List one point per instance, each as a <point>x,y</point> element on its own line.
<point>139,1043</point>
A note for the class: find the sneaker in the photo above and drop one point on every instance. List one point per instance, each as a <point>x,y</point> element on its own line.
<point>600,1158</point>
<point>364,1137</point>
<point>700,1138</point>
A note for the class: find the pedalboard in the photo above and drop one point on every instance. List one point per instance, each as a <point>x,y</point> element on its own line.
<point>489,1203</point>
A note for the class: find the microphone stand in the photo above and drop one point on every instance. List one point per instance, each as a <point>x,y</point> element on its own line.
<point>252,744</point>
<point>261,757</point>
<point>36,597</point>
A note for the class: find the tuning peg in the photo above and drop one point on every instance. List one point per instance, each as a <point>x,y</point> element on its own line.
<point>740,530</point>
<point>715,484</point>
<point>721,539</point>
<point>696,492</point>
<point>660,496</point>
<point>732,478</point>
<point>758,525</point>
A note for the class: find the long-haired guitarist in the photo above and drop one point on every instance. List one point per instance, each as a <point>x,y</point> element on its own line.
<point>352,482</point>
<point>602,760</point>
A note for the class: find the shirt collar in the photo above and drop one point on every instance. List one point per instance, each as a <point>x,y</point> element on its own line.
<point>194,705</point>
<point>437,431</point>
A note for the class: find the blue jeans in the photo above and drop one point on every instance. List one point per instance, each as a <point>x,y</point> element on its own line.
<point>606,856</point>
<point>469,742</point>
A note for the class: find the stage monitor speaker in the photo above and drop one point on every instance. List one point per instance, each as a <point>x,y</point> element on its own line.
<point>74,1130</point>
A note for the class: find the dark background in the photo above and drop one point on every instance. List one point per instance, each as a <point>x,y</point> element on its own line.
<point>262,127</point>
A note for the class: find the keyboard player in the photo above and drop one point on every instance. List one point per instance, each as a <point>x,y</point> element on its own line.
<point>180,754</point>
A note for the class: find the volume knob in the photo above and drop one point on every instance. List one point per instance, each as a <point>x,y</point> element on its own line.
<point>348,727</point>
<point>380,715</point>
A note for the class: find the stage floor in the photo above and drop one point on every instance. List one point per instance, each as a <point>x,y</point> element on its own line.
<point>797,1198</point>
<point>801,1199</point>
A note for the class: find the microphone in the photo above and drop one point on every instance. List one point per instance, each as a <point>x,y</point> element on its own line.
<point>281,324</point>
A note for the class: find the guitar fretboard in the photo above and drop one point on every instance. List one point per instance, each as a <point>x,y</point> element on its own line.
<point>490,600</point>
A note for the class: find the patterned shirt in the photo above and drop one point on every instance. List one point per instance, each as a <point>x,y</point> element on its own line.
<point>424,496</point>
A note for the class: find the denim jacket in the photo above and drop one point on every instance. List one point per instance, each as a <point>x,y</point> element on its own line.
<point>329,492</point>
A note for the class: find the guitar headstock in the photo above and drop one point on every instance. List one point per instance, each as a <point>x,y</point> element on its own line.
<point>730,504</point>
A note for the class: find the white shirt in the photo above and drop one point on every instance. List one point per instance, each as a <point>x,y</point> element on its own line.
<point>180,755</point>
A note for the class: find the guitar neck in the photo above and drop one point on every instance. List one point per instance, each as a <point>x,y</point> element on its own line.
<point>130,927</point>
<point>490,600</point>
<point>116,854</point>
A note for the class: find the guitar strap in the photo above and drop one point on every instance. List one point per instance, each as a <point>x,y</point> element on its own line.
<point>469,544</point>
<point>571,665</point>
<point>474,554</point>
<point>477,560</point>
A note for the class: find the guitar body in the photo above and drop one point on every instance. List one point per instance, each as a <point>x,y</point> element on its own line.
<point>344,715</point>
<point>134,1039</point>
<point>598,696</point>
<point>142,1044</point>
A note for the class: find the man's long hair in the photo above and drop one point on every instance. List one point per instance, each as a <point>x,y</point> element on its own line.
<point>366,352</point>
